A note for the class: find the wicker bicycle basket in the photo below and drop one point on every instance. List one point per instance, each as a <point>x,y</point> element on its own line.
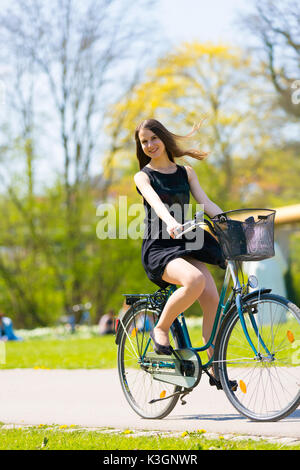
<point>247,234</point>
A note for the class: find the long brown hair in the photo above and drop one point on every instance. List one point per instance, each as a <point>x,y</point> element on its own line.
<point>170,140</point>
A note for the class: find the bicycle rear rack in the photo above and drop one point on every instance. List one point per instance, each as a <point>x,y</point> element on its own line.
<point>155,300</point>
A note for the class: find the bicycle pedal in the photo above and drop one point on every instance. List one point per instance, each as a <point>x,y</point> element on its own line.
<point>216,383</point>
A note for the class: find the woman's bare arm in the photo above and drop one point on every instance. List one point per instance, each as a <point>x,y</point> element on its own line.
<point>143,183</point>
<point>210,208</point>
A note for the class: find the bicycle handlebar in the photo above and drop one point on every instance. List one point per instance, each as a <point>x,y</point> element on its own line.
<point>192,224</point>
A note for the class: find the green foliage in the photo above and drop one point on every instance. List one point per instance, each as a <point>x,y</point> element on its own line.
<point>49,263</point>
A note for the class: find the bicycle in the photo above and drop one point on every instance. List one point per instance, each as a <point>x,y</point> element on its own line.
<point>255,336</point>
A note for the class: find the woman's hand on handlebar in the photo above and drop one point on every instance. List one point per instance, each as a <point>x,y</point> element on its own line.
<point>174,228</point>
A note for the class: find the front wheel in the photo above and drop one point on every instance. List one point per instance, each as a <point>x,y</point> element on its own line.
<point>269,382</point>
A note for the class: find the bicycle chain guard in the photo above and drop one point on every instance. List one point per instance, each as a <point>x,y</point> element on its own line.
<point>183,368</point>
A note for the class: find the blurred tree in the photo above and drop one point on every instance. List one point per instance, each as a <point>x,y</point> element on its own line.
<point>215,81</point>
<point>276,26</point>
<point>66,62</point>
<point>270,177</point>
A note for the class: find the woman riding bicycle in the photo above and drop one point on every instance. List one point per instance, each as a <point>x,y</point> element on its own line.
<point>166,260</point>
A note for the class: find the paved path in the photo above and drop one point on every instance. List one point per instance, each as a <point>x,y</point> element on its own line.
<point>93,398</point>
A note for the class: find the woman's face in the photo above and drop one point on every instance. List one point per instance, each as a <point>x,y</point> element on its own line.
<point>152,146</point>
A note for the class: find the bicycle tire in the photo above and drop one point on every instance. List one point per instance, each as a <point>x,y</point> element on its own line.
<point>134,380</point>
<point>269,386</point>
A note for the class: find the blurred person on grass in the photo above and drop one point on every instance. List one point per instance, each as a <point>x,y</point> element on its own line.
<point>6,329</point>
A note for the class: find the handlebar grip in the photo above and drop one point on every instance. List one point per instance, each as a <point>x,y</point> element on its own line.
<point>177,232</point>
<point>193,226</point>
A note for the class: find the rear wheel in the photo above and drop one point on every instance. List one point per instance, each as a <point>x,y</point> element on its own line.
<point>269,382</point>
<point>137,382</point>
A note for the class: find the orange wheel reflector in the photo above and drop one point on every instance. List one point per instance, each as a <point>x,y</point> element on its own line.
<point>290,336</point>
<point>243,386</point>
<point>134,332</point>
<point>162,394</point>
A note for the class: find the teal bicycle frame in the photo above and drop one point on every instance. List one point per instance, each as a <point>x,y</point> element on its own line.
<point>222,310</point>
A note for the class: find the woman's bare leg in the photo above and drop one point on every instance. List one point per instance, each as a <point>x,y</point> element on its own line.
<point>209,300</point>
<point>179,272</point>
<point>195,286</point>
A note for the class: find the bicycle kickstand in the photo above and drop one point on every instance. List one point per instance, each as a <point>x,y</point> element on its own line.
<point>181,393</point>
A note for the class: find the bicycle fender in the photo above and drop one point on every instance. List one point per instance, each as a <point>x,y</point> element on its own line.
<point>255,293</point>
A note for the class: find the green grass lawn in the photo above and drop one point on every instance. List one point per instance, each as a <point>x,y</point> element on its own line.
<point>67,353</point>
<point>67,438</point>
<point>52,350</point>
<point>85,349</point>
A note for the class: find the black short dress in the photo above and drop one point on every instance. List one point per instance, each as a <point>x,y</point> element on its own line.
<point>158,248</point>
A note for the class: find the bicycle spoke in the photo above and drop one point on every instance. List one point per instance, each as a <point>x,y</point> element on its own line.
<point>138,384</point>
<point>269,384</point>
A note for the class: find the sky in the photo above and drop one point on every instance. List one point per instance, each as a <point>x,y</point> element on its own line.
<point>203,20</point>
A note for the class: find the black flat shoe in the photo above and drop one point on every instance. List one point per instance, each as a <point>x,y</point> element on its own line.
<point>216,383</point>
<point>159,348</point>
